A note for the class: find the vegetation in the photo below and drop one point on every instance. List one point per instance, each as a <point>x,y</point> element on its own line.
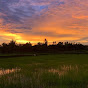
<point>12,47</point>
<point>45,71</point>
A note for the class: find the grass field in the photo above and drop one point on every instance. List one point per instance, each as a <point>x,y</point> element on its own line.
<point>45,71</point>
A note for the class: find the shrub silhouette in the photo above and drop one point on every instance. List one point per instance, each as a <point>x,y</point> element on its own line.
<point>12,47</point>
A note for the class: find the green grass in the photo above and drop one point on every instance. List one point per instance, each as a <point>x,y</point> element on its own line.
<point>46,71</point>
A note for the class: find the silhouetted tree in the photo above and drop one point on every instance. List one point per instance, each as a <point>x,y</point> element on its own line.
<point>54,42</point>
<point>46,42</point>
<point>12,47</point>
<point>4,48</point>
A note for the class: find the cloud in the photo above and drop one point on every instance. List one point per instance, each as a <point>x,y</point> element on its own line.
<point>80,17</point>
<point>53,19</point>
<point>15,12</point>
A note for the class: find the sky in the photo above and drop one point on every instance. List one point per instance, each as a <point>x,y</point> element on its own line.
<point>34,20</point>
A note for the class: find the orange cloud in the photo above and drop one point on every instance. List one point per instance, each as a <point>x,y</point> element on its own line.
<point>60,22</point>
<point>80,17</point>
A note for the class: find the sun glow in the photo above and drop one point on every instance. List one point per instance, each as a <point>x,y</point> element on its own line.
<point>12,35</point>
<point>9,36</point>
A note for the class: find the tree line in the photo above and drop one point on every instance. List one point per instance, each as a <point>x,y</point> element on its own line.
<point>13,47</point>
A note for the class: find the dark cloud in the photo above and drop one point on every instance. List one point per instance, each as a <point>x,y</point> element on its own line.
<point>14,12</point>
<point>84,38</point>
<point>19,29</point>
<point>15,31</point>
<point>49,34</point>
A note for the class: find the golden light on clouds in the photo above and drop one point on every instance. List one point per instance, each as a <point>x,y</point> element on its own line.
<point>80,17</point>
<point>34,20</point>
<point>11,36</point>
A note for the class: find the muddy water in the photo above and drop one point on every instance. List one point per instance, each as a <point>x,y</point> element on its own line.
<point>8,71</point>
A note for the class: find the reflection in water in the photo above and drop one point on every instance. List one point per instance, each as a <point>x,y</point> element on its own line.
<point>64,70</point>
<point>8,71</point>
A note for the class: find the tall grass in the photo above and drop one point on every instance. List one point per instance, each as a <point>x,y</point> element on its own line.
<point>49,71</point>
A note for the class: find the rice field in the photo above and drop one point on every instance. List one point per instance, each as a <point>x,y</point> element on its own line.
<point>45,71</point>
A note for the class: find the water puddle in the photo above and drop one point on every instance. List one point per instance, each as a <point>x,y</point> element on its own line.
<point>64,70</point>
<point>8,71</point>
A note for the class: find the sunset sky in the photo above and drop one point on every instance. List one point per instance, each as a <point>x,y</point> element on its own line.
<point>35,20</point>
